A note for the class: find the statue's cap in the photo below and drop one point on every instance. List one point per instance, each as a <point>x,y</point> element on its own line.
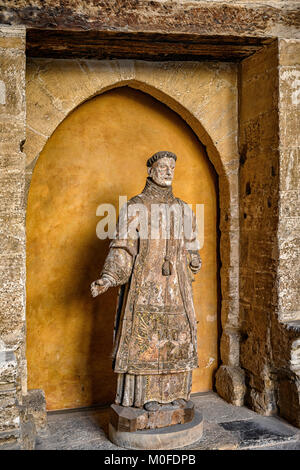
<point>158,155</point>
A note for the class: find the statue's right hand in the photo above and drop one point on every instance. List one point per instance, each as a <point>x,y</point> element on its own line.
<point>99,287</point>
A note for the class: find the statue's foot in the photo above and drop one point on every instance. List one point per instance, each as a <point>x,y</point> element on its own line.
<point>151,406</point>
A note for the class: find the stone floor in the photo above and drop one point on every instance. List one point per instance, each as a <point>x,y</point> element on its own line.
<point>225,427</point>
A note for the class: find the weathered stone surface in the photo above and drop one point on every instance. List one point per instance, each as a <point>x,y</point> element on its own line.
<point>35,403</point>
<point>8,367</point>
<point>13,422</point>
<point>289,399</point>
<point>230,313</point>
<point>224,427</point>
<point>9,440</point>
<point>27,429</point>
<point>290,168</point>
<point>295,356</point>
<point>268,204</point>
<point>230,384</point>
<point>230,347</point>
<point>263,167</point>
<point>289,51</point>
<point>56,87</point>
<point>131,419</point>
<point>206,17</point>
<point>263,402</point>
<point>127,418</point>
<point>170,437</point>
<point>289,220</point>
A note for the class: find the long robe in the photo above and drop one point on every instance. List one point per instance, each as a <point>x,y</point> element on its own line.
<point>155,337</point>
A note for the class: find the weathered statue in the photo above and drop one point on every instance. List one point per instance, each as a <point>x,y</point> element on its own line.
<point>155,341</point>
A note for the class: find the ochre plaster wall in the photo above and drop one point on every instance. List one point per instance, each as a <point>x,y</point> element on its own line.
<point>96,154</point>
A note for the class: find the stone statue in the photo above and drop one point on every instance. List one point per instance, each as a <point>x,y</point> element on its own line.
<point>155,336</point>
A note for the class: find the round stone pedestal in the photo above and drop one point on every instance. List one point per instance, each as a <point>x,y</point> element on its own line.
<point>170,437</point>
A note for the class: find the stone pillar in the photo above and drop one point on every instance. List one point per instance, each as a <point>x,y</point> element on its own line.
<point>259,158</point>
<point>230,380</point>
<point>16,426</point>
<point>289,178</point>
<point>286,334</point>
<point>269,229</point>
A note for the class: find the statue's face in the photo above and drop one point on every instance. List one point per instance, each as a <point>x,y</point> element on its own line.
<point>162,171</point>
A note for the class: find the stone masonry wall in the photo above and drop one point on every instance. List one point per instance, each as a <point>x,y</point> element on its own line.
<point>258,142</point>
<point>289,208</point>
<point>268,244</point>
<point>286,333</point>
<point>259,212</point>
<point>14,420</point>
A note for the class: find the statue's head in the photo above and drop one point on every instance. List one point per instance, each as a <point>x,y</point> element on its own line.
<point>161,168</point>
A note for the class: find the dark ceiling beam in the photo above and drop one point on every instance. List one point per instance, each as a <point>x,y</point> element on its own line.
<point>146,46</point>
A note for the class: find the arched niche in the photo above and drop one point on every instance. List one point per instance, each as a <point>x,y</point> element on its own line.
<point>97,153</point>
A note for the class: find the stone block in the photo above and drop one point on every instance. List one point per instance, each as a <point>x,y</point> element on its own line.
<point>230,313</point>
<point>295,356</point>
<point>12,271</point>
<point>289,168</point>
<point>9,440</point>
<point>288,291</point>
<point>264,290</point>
<point>43,112</point>
<point>289,399</point>
<point>7,396</point>
<point>289,122</point>
<point>229,281</point>
<point>261,253</point>
<point>257,96</point>
<point>262,402</point>
<point>230,347</point>
<point>8,368</point>
<point>256,322</point>
<point>27,429</point>
<point>12,192</point>
<point>33,146</point>
<point>246,283</point>
<point>254,351</point>
<point>125,418</point>
<point>256,64</point>
<point>289,93</point>
<point>229,249</point>
<point>12,134</point>
<point>12,64</point>
<point>129,419</point>
<point>289,203</point>
<point>170,437</point>
<point>289,51</point>
<point>35,403</point>
<point>230,384</point>
<point>12,163</point>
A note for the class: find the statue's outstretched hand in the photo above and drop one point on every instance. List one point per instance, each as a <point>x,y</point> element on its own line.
<point>99,287</point>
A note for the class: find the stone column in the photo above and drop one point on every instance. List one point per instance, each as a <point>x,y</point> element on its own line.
<point>16,427</point>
